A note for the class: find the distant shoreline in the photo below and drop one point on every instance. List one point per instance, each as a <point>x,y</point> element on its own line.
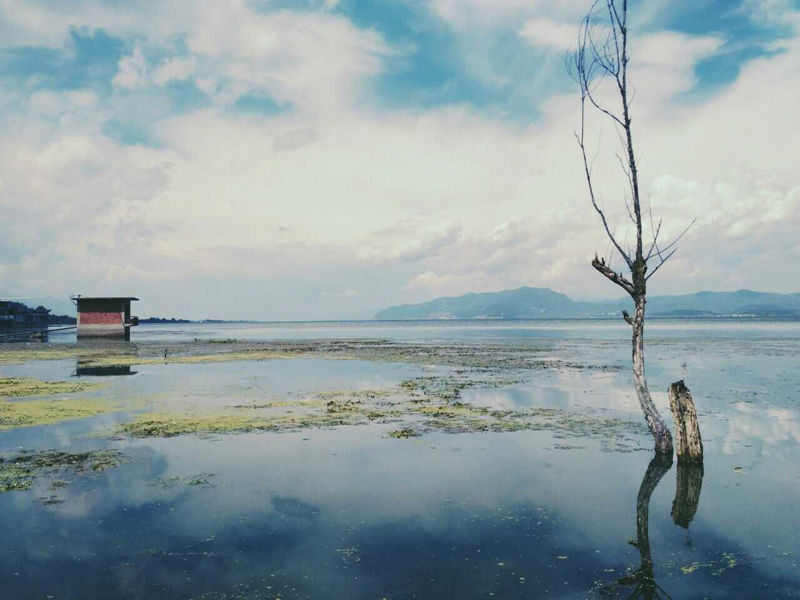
<point>712,319</point>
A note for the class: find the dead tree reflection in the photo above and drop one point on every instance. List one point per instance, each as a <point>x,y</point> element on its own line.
<point>641,583</point>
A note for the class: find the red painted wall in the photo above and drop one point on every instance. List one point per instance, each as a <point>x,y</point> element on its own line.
<point>101,318</point>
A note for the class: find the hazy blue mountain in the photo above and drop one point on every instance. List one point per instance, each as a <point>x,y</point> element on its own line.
<point>544,303</point>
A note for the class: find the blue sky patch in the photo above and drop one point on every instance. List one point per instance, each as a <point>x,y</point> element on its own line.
<point>90,61</point>
<point>185,96</point>
<point>259,102</point>
<point>130,133</point>
<point>745,38</point>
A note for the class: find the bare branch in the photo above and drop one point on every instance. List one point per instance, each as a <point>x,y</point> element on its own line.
<point>660,264</point>
<point>613,9</point>
<point>588,174</point>
<point>606,112</point>
<point>677,239</point>
<point>618,278</point>
<point>623,167</point>
<point>656,233</point>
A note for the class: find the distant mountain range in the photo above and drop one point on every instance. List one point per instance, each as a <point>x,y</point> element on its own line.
<point>544,303</point>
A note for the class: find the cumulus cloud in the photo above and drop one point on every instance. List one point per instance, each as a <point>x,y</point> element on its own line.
<point>410,240</point>
<point>315,61</point>
<point>664,63</point>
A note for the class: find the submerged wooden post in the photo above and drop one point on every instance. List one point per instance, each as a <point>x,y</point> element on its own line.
<point>689,446</point>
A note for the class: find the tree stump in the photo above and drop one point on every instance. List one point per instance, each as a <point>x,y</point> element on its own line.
<point>689,446</point>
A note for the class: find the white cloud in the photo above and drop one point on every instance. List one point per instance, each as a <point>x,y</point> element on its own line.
<point>315,61</point>
<point>773,12</point>
<point>342,294</point>
<point>553,34</point>
<point>663,64</point>
<point>176,68</point>
<point>132,71</point>
<point>410,240</point>
<point>294,139</point>
<point>483,13</point>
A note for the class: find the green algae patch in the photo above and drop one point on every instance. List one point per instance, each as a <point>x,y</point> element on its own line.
<point>402,433</point>
<point>416,406</point>
<point>17,353</point>
<point>479,357</point>
<point>27,413</point>
<point>230,356</point>
<point>717,567</point>
<point>167,425</point>
<point>21,353</point>
<point>19,472</point>
<point>11,387</point>
<point>170,425</point>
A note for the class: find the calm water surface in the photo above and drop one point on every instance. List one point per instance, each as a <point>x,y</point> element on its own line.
<point>349,513</point>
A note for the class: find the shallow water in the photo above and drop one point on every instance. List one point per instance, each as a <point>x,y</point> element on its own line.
<point>349,513</point>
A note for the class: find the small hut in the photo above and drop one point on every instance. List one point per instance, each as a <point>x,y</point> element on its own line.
<point>105,316</point>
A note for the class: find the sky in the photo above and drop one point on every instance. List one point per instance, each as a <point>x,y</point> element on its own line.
<point>325,159</point>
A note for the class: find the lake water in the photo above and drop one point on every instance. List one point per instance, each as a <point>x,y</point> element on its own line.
<point>348,512</point>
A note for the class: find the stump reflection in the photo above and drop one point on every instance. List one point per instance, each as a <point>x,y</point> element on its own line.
<point>687,492</point>
<point>641,583</point>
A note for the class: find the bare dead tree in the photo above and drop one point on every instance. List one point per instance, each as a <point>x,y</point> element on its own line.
<point>602,56</point>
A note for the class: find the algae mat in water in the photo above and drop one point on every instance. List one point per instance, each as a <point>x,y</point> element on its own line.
<point>478,355</point>
<point>19,472</point>
<point>26,413</point>
<point>415,407</point>
<point>11,387</point>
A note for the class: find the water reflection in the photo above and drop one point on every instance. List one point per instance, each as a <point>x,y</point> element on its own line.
<point>641,583</point>
<point>687,492</point>
<point>88,369</point>
<point>349,513</point>
<point>104,358</point>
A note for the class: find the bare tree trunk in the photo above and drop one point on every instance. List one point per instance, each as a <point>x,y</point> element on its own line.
<point>659,429</point>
